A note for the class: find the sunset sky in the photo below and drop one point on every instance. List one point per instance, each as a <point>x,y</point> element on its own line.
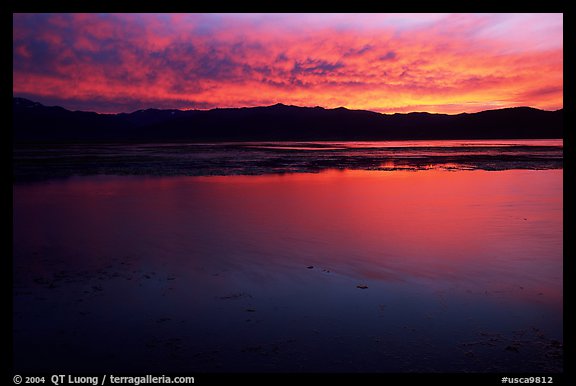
<point>448,63</point>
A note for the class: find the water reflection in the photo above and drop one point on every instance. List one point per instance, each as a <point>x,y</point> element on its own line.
<point>39,162</point>
<point>260,273</point>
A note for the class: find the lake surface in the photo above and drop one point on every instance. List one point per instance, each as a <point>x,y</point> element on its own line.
<point>33,162</point>
<point>425,267</point>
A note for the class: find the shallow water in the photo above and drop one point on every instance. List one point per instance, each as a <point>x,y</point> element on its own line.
<point>338,271</point>
<point>42,161</point>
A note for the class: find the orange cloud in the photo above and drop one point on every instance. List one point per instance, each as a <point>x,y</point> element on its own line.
<point>436,63</point>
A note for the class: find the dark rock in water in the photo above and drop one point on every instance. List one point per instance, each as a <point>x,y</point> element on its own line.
<point>310,267</point>
<point>511,348</point>
<point>235,296</point>
<point>362,286</point>
<point>250,310</point>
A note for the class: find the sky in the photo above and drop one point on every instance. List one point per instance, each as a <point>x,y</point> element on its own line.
<point>439,63</point>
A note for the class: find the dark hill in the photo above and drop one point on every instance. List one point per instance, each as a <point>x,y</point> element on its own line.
<point>33,122</point>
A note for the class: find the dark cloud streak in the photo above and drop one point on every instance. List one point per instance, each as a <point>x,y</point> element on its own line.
<point>124,62</point>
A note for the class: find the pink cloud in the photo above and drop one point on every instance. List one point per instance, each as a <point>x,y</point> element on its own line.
<point>389,63</point>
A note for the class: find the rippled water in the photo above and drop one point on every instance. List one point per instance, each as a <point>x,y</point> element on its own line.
<point>428,269</point>
<point>252,158</point>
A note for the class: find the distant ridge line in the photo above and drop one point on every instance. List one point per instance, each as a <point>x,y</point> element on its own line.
<point>34,122</point>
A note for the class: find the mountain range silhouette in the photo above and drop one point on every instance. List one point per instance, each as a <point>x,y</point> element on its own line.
<point>34,122</point>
